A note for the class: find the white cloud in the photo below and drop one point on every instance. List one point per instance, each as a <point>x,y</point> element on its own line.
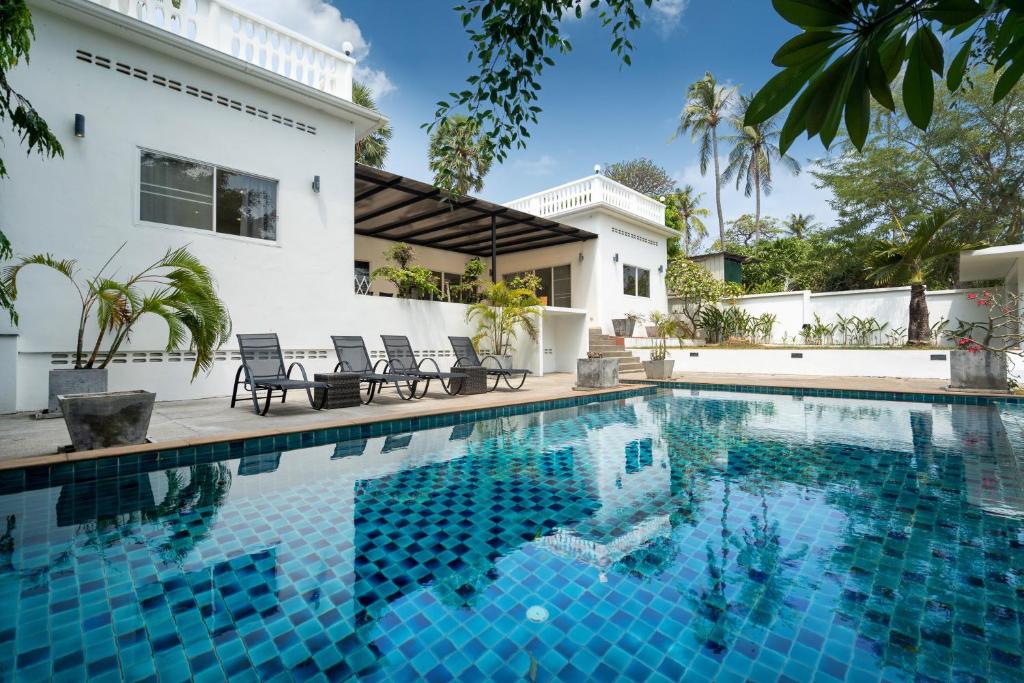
<point>545,165</point>
<point>668,13</point>
<point>374,79</point>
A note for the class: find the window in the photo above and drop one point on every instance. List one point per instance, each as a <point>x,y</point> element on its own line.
<point>175,191</point>
<point>636,281</point>
<point>555,284</point>
<point>362,277</point>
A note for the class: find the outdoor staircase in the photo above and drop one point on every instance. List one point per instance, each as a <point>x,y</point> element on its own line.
<point>614,347</point>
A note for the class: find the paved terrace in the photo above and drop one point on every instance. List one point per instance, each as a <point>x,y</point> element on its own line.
<point>179,424</point>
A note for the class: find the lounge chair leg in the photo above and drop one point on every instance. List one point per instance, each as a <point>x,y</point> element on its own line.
<point>422,393</point>
<point>284,395</point>
<point>371,391</point>
<point>497,378</point>
<point>522,381</point>
<point>234,391</point>
<point>266,406</point>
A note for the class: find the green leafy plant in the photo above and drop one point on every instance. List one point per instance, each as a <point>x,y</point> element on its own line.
<point>410,281</point>
<point>851,52</point>
<point>665,326</point>
<point>459,156</point>
<point>696,288</point>
<point>501,315</point>
<point>1001,332</point>
<point>371,150</point>
<point>528,280</point>
<point>633,317</point>
<point>176,287</point>
<point>467,291</point>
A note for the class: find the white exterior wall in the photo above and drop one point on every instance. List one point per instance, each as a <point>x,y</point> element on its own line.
<point>889,304</point>
<point>86,205</point>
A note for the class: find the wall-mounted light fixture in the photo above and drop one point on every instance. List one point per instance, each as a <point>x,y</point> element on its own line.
<point>316,183</point>
<point>79,125</point>
<point>661,268</point>
<point>615,258</point>
<point>581,257</point>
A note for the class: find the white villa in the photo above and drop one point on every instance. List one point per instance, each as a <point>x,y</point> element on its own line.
<point>210,127</point>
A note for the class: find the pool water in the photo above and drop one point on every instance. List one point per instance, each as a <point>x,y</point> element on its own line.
<point>682,535</point>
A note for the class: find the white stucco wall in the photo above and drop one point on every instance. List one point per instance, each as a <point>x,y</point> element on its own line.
<point>887,305</point>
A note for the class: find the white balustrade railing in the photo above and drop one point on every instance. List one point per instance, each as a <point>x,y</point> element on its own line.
<point>591,191</point>
<point>239,33</point>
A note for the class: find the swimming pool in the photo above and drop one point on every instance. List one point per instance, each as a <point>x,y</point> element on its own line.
<point>698,535</point>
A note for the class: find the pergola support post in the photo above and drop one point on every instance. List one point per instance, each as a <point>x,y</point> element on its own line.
<point>494,249</point>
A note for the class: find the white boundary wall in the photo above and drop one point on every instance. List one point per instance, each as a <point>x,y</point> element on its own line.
<point>887,305</point>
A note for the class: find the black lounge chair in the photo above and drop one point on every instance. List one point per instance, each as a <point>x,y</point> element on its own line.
<point>465,354</point>
<point>401,359</point>
<point>353,357</point>
<point>263,366</point>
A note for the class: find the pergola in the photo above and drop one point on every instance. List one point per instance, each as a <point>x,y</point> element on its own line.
<point>400,209</point>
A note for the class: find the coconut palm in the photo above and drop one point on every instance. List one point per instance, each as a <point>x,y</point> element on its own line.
<point>176,288</point>
<point>924,247</point>
<point>373,149</point>
<point>460,156</point>
<point>754,150</point>
<point>799,224</point>
<point>686,201</point>
<point>707,105</point>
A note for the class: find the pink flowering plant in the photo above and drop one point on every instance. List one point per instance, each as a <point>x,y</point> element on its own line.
<point>1002,332</point>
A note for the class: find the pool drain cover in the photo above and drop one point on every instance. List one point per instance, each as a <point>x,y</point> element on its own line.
<point>537,614</point>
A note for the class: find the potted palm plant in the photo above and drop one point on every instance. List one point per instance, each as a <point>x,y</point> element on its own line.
<point>660,365</point>
<point>177,288</point>
<point>500,316</point>
<point>625,325</point>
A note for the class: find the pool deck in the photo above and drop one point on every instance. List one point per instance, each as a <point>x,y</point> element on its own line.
<point>27,441</point>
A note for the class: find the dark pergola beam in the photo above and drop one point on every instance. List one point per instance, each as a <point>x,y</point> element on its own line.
<point>379,187</point>
<point>474,238</point>
<point>561,241</point>
<point>540,242</point>
<point>451,224</point>
<point>486,240</point>
<point>414,219</point>
<point>396,206</point>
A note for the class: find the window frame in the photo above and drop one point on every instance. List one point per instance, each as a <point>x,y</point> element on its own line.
<point>137,192</point>
<point>505,277</point>
<point>636,281</point>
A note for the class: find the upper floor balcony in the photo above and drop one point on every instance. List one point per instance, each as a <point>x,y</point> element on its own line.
<point>234,31</point>
<point>592,191</point>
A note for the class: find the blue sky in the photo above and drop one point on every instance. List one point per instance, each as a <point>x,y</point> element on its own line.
<point>595,111</point>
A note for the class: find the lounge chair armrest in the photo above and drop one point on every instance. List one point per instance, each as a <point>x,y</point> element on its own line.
<point>497,366</point>
<point>381,362</point>
<point>302,371</point>
<point>419,366</point>
<point>462,361</point>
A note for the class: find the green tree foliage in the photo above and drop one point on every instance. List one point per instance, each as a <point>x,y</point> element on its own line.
<point>747,230</point>
<point>755,150</point>
<point>970,160</point>
<point>926,245</point>
<point>459,156</point>
<point>16,34</point>
<point>696,288</point>
<point>707,105</point>
<point>512,42</point>
<point>643,175</point>
<point>373,149</point>
<point>785,264</point>
<point>799,225</point>
<point>850,53</point>
<point>684,213</point>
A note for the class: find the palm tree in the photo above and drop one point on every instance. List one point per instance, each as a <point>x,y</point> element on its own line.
<point>925,245</point>
<point>373,149</point>
<point>686,201</point>
<point>754,150</point>
<point>707,104</point>
<point>460,156</point>
<point>799,224</point>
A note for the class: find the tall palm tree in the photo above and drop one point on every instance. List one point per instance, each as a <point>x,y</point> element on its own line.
<point>924,246</point>
<point>373,149</point>
<point>799,224</point>
<point>686,201</point>
<point>459,155</point>
<point>707,105</point>
<point>754,150</point>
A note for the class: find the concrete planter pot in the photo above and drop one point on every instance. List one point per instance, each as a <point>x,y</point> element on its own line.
<point>979,370</point>
<point>623,327</point>
<point>117,418</point>
<point>652,331</point>
<point>659,369</point>
<point>597,373</point>
<point>71,381</point>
